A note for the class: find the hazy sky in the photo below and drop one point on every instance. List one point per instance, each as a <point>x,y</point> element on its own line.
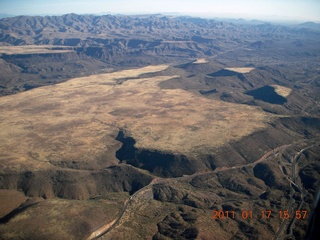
<point>284,9</point>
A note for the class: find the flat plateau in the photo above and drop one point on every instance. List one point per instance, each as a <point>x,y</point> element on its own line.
<point>78,120</point>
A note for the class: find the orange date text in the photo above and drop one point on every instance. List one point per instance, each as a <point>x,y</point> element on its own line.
<point>263,214</point>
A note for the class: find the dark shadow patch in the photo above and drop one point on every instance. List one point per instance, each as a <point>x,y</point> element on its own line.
<point>207,92</point>
<point>223,73</point>
<point>15,212</point>
<point>267,94</point>
<point>159,163</point>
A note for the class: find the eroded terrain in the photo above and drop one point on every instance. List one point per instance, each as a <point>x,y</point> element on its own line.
<point>71,131</point>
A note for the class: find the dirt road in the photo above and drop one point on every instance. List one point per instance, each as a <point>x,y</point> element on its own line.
<point>272,153</point>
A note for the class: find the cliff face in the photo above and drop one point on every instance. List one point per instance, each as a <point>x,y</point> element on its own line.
<point>23,71</point>
<point>75,185</point>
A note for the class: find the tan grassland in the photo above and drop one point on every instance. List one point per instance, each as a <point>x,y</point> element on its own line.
<point>200,60</point>
<point>282,91</point>
<point>78,120</point>
<point>32,49</point>
<point>60,219</point>
<point>240,69</point>
<point>10,200</point>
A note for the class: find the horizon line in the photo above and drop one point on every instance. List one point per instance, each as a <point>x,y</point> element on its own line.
<point>226,16</point>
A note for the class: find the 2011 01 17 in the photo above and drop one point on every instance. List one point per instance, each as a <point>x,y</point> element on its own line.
<point>263,214</point>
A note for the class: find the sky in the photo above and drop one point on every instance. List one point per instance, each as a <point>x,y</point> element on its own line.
<point>299,10</point>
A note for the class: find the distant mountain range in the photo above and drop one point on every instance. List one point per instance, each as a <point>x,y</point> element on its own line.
<point>115,41</point>
<point>310,25</point>
<point>4,15</point>
<point>91,30</point>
